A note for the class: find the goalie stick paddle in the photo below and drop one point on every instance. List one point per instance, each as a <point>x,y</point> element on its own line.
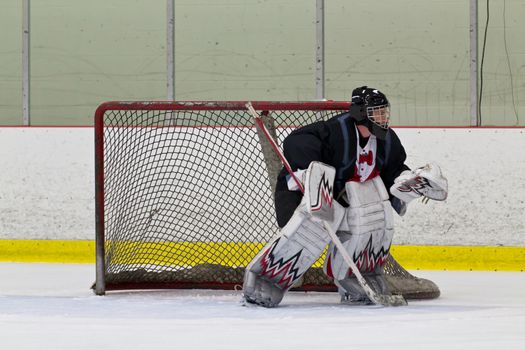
<point>376,298</point>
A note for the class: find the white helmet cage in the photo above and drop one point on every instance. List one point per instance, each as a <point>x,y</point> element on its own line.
<point>379,115</point>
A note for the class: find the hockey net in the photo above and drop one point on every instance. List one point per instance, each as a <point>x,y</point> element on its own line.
<point>184,194</point>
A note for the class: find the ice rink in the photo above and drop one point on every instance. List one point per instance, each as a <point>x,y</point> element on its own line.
<point>50,306</point>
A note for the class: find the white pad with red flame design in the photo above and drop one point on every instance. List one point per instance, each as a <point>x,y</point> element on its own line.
<point>318,191</point>
<point>366,230</point>
<point>282,262</point>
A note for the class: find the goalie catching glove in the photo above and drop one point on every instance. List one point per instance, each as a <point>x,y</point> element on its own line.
<point>426,181</point>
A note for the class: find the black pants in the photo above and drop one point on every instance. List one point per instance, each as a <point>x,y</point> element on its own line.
<point>285,204</point>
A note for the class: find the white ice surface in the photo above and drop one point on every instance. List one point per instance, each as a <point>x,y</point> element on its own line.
<point>50,306</point>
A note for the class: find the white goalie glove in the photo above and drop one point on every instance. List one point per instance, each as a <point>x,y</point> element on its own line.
<point>426,181</point>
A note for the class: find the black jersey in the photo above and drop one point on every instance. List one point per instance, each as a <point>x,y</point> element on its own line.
<point>333,142</point>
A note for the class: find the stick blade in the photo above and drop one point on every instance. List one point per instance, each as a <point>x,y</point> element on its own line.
<point>391,300</point>
<point>381,299</point>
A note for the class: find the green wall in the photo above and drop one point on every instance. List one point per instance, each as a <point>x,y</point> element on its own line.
<point>503,101</point>
<point>11,62</point>
<point>416,51</point>
<point>238,50</point>
<point>87,52</point>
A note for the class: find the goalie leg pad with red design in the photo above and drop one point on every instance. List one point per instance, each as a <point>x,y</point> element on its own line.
<point>366,232</point>
<point>284,260</point>
<point>318,191</point>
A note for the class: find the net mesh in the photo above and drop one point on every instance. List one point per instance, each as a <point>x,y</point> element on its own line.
<point>188,195</point>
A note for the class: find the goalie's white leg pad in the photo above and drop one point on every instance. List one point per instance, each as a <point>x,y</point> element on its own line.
<point>283,261</point>
<point>288,256</point>
<point>368,251</point>
<point>366,232</point>
<point>318,191</point>
<point>361,194</point>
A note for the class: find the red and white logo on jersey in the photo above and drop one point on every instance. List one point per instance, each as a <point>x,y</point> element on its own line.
<point>365,164</point>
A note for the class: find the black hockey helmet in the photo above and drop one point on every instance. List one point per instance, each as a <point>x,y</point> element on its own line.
<point>371,108</point>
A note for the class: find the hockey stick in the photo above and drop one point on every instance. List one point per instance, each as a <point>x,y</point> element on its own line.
<point>376,298</point>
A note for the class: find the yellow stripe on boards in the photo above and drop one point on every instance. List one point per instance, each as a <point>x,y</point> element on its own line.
<point>474,258</point>
<point>53,251</point>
